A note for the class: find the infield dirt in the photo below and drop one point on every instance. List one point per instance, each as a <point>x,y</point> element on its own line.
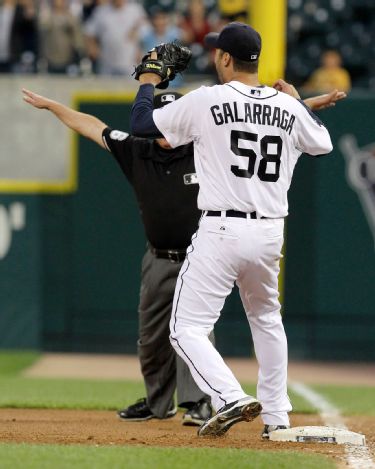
<point>104,428</point>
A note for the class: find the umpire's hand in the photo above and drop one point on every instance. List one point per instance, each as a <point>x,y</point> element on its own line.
<point>35,100</point>
<point>315,103</point>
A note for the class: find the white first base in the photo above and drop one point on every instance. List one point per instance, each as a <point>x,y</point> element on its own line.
<point>318,435</point>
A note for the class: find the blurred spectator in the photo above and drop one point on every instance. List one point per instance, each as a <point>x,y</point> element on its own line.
<point>18,36</point>
<point>331,75</point>
<point>161,29</point>
<point>112,36</point>
<point>195,24</point>
<point>88,8</point>
<point>61,40</point>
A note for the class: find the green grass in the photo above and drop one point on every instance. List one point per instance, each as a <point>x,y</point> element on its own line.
<point>21,456</point>
<point>351,400</point>
<point>12,362</point>
<point>85,394</point>
<point>18,391</point>
<point>68,393</point>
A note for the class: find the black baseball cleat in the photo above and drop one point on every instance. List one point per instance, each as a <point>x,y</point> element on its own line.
<point>140,411</point>
<point>246,409</point>
<point>198,413</point>
<point>271,428</point>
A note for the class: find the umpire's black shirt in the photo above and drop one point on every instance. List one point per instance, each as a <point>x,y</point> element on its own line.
<point>165,185</point>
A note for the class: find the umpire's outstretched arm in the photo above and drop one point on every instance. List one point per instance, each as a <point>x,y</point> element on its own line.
<point>85,124</point>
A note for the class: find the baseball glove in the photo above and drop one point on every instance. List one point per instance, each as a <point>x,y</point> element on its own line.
<point>172,58</point>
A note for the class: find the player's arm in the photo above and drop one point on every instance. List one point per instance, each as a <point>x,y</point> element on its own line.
<point>175,122</point>
<point>85,124</point>
<point>141,121</point>
<point>315,103</point>
<point>312,136</point>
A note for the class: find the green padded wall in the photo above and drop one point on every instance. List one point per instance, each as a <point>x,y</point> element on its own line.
<point>330,261</point>
<point>21,295</point>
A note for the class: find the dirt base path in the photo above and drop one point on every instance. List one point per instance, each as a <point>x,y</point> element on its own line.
<point>72,365</point>
<point>104,428</point>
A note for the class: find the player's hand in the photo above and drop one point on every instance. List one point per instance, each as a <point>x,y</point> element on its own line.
<point>35,100</point>
<point>284,87</point>
<point>323,101</point>
<point>152,78</point>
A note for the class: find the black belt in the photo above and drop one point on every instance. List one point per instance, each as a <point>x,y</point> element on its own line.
<point>173,255</point>
<point>232,213</point>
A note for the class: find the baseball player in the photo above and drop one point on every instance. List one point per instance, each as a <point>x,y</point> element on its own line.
<point>170,220</point>
<point>168,206</point>
<point>247,139</point>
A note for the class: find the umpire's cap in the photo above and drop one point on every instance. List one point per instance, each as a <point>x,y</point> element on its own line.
<point>162,99</point>
<point>238,39</point>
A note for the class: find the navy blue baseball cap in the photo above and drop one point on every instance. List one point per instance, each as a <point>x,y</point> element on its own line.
<point>238,39</point>
<point>162,99</point>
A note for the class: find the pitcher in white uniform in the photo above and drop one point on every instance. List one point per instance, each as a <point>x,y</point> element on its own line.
<point>247,140</point>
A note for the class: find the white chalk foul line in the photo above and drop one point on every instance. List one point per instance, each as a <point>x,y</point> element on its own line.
<point>357,457</point>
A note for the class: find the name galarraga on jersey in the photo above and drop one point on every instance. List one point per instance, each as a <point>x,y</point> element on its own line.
<point>253,113</point>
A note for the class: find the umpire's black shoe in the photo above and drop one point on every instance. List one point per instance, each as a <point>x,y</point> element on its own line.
<point>198,413</point>
<point>246,409</point>
<point>140,411</point>
<point>271,428</point>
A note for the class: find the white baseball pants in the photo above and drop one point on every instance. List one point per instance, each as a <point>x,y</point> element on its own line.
<point>225,250</point>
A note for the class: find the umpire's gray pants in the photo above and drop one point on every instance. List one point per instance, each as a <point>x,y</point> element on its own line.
<point>160,366</point>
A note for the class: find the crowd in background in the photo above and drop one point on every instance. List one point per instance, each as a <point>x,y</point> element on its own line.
<point>109,37</point>
<point>345,28</point>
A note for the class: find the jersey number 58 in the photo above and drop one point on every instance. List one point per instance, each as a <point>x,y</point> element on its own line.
<point>270,148</point>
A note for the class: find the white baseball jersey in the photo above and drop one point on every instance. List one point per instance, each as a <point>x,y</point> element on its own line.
<point>247,141</point>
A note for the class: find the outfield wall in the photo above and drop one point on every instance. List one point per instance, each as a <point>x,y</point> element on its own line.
<point>71,240</point>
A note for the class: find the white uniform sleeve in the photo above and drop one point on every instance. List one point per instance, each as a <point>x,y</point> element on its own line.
<point>312,137</point>
<point>179,121</point>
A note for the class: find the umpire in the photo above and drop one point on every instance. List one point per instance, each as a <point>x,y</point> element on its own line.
<point>166,188</point>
